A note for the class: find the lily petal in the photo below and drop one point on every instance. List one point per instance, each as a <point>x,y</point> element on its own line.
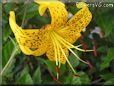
<point>29,39</point>
<point>59,14</point>
<point>76,24</point>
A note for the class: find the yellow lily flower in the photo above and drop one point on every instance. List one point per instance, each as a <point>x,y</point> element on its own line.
<point>55,39</point>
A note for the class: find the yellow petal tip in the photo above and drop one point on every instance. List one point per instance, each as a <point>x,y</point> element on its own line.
<point>11,12</point>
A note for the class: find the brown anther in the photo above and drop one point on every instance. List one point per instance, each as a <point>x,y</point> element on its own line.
<point>58,69</point>
<point>76,75</point>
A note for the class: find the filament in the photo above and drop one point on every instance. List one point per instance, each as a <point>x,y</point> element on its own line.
<point>63,53</point>
<point>71,51</point>
<point>55,51</point>
<point>72,46</point>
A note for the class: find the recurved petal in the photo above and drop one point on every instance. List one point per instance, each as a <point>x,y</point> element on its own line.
<point>36,40</point>
<point>51,53</point>
<point>77,23</point>
<point>31,41</point>
<point>26,50</point>
<point>59,14</point>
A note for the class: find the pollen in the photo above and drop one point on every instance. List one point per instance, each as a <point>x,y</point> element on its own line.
<point>48,28</point>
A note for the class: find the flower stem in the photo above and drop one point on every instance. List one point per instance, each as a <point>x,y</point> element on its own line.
<point>9,61</point>
<point>11,57</point>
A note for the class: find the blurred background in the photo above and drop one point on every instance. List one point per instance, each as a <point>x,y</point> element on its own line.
<point>98,36</point>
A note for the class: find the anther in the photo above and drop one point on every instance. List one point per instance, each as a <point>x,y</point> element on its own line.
<point>58,69</point>
<point>76,75</point>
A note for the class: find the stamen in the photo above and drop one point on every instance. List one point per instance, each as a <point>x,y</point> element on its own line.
<point>77,56</point>
<point>72,51</point>
<point>55,50</point>
<point>58,70</point>
<point>82,49</point>
<point>79,45</point>
<point>58,53</point>
<point>63,53</point>
<point>59,56</point>
<point>72,46</point>
<point>67,60</point>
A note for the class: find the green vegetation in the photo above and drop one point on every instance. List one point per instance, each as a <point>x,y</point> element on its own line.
<point>25,69</point>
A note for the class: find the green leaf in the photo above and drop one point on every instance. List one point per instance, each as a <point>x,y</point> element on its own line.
<point>106,76</point>
<point>73,60</point>
<point>73,9</point>
<point>28,79</point>
<point>68,79</point>
<point>107,59</point>
<point>101,49</point>
<point>6,33</point>
<point>6,27</point>
<point>52,67</point>
<point>9,69</point>
<point>82,80</point>
<point>24,78</point>
<point>110,38</point>
<point>9,7</point>
<point>31,10</point>
<point>105,22</point>
<point>7,50</point>
<point>37,76</point>
<point>109,82</point>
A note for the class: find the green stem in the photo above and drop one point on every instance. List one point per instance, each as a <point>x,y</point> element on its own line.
<point>11,57</point>
<point>15,49</point>
<point>10,60</point>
